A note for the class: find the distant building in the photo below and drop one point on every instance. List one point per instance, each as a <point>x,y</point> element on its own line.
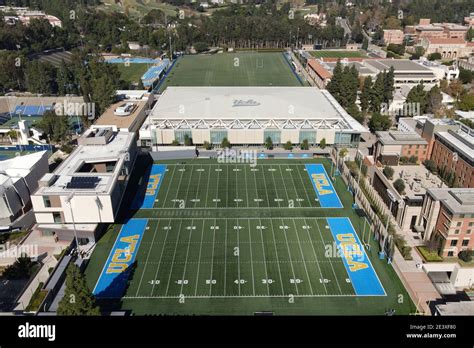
<point>448,48</point>
<point>18,180</point>
<point>393,36</point>
<point>426,29</point>
<point>87,188</point>
<point>392,145</point>
<point>453,151</point>
<point>447,221</point>
<point>319,74</point>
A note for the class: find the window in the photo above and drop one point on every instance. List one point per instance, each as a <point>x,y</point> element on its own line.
<point>47,202</point>
<point>453,242</point>
<point>57,218</point>
<point>456,232</point>
<point>459,224</point>
<point>471,224</point>
<point>450,253</point>
<point>465,242</point>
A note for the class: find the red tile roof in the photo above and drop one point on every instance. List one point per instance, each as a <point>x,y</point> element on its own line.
<point>319,69</point>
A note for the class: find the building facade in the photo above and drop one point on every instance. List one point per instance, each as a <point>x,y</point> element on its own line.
<point>392,145</point>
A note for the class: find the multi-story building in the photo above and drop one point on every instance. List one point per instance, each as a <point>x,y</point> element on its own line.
<point>87,188</point>
<point>447,220</point>
<point>392,145</point>
<point>18,180</point>
<point>393,36</point>
<point>449,48</point>
<point>453,152</point>
<point>319,74</point>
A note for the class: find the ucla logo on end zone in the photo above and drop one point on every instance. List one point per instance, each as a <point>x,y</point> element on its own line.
<point>153,184</point>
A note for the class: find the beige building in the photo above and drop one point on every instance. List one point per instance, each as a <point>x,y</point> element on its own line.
<point>393,36</point>
<point>87,188</point>
<point>449,48</point>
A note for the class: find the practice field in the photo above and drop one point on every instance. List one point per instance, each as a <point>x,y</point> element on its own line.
<point>232,69</point>
<point>202,237</point>
<point>132,72</point>
<point>336,54</point>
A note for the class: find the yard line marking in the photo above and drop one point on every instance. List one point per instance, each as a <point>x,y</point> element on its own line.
<point>256,188</point>
<point>207,187</point>
<point>316,255</point>
<point>199,183</point>
<point>217,191</point>
<point>302,257</point>
<point>187,253</point>
<point>147,257</point>
<point>246,187</point>
<point>284,185</point>
<point>330,262</point>
<point>276,253</point>
<point>174,256</point>
<point>276,188</point>
<point>264,255</point>
<point>177,190</point>
<point>187,189</point>
<point>243,296</point>
<point>227,191</point>
<point>289,254</point>
<point>265,185</point>
<point>306,191</point>
<point>161,255</point>
<point>199,260</point>
<point>169,186</point>
<point>296,190</point>
<point>238,255</point>
<point>225,258</point>
<point>212,258</point>
<point>251,258</point>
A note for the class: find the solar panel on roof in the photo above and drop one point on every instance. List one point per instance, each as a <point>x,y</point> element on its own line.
<point>83,182</point>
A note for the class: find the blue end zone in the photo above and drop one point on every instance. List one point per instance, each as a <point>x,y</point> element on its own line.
<point>114,276</point>
<point>327,195</point>
<point>363,277</point>
<point>146,198</point>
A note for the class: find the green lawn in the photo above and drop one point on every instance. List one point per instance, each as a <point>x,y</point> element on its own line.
<point>232,69</point>
<point>246,239</point>
<point>132,72</point>
<point>337,54</point>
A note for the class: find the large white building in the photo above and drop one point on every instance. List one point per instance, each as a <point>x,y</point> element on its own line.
<point>247,116</point>
<point>87,188</point>
<point>18,180</point>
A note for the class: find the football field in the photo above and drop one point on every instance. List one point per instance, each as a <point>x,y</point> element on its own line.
<point>209,238</point>
<point>232,69</point>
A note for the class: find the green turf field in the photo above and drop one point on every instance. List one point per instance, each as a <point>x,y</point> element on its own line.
<point>232,69</point>
<point>235,239</point>
<point>337,54</point>
<point>132,72</point>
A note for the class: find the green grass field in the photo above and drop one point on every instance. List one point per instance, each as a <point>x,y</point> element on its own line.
<point>337,54</point>
<point>235,239</point>
<point>132,72</point>
<point>232,69</point>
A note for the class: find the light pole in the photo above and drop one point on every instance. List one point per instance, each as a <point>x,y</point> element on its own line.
<point>69,203</point>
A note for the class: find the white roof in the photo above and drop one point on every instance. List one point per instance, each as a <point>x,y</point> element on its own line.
<point>19,166</point>
<point>247,103</point>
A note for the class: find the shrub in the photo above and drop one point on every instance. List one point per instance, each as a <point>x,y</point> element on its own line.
<point>413,159</point>
<point>430,165</point>
<point>288,145</point>
<point>388,172</point>
<point>434,56</point>
<point>399,186</point>
<point>207,145</point>
<point>465,255</point>
<point>322,143</point>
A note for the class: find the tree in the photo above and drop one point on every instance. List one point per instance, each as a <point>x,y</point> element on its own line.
<point>434,100</point>
<point>419,52</point>
<point>343,153</point>
<point>416,96</point>
<point>399,185</point>
<point>434,56</point>
<point>22,268</point>
<point>56,128</point>
<point>288,146</point>
<point>455,89</point>
<point>187,140</point>
<point>78,299</point>
<point>322,143</point>
<point>200,47</point>
<point>377,92</point>
<point>269,143</point>
<point>392,22</point>
<point>304,145</point>
<point>175,142</point>
<point>470,34</point>
<point>388,85</point>
<point>225,144</point>
<point>379,122</point>
<point>388,172</point>
<point>207,145</point>
<point>397,49</point>
<point>365,44</point>
<point>465,255</point>
<point>430,165</point>
<point>467,102</point>
<point>465,75</point>
<point>366,94</point>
